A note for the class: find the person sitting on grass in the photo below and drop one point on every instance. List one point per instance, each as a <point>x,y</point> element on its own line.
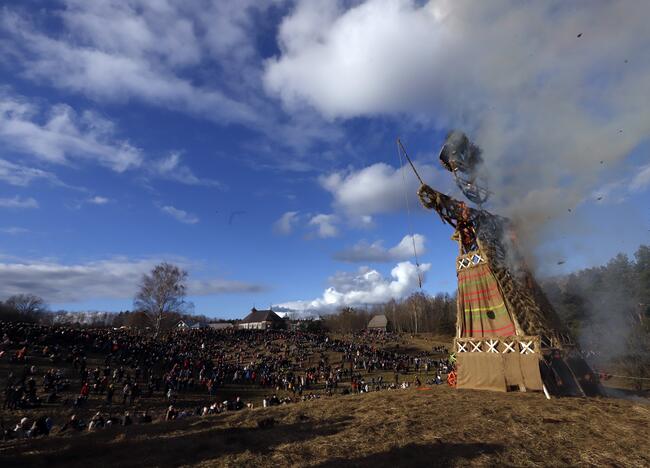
<point>97,422</point>
<point>21,430</point>
<point>144,418</point>
<point>73,423</point>
<point>171,414</point>
<point>41,426</point>
<point>238,404</point>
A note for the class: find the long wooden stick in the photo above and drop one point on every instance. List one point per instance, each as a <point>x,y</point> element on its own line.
<point>403,150</point>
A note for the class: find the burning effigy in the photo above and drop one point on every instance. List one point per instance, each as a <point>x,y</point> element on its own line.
<point>508,336</point>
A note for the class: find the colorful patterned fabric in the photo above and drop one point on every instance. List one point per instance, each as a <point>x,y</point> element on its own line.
<point>481,307</point>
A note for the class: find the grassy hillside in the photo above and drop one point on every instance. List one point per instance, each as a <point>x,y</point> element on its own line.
<point>406,427</point>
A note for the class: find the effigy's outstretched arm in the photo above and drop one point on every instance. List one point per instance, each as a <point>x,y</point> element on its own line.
<point>449,209</point>
<point>456,213</point>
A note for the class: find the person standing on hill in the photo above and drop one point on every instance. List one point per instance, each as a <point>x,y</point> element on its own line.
<point>85,390</point>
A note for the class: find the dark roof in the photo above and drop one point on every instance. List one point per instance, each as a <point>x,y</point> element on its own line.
<point>378,321</point>
<point>261,316</point>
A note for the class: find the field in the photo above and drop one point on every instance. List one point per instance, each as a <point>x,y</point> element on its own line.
<point>402,427</point>
<point>407,427</point>
<point>189,400</point>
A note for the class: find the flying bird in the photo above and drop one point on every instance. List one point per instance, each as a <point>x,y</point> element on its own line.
<point>561,262</point>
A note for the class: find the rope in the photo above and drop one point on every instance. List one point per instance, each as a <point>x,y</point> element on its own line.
<point>622,376</point>
<point>400,148</point>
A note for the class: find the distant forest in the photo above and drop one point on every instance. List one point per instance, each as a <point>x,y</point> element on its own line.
<point>608,310</point>
<point>91,319</point>
<point>605,298</point>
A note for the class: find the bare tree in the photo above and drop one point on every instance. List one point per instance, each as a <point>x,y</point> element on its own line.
<point>162,292</point>
<point>26,303</point>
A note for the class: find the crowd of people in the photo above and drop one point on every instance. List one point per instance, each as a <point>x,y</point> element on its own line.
<point>105,377</point>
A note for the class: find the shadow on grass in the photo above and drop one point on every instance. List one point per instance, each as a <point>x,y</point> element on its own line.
<point>157,445</point>
<point>436,454</point>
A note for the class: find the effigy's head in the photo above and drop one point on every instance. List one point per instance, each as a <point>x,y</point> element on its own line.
<point>459,154</point>
<point>463,159</point>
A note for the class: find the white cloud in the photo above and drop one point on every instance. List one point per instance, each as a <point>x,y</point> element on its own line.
<point>64,136</point>
<point>14,230</point>
<point>286,224</point>
<point>221,286</point>
<point>371,56</point>
<point>59,136</point>
<point>366,286</point>
<point>619,190</point>
<point>127,49</point>
<point>18,202</point>
<point>545,105</point>
<point>641,180</point>
<point>98,200</point>
<point>325,224</point>
<point>366,221</point>
<point>22,176</point>
<point>376,252</point>
<point>378,188</point>
<point>117,278</point>
<point>610,193</point>
<point>171,168</point>
<point>201,58</point>
<point>180,215</point>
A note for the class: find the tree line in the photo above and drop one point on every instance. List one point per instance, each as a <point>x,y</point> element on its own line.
<point>418,313</point>
<point>608,310</point>
<point>159,304</point>
<point>617,293</point>
<point>94,319</point>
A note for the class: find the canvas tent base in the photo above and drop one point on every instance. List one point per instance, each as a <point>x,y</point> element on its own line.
<point>518,363</point>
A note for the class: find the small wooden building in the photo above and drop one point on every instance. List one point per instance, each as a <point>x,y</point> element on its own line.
<point>261,320</point>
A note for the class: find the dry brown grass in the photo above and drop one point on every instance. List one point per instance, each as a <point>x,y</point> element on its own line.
<point>438,426</point>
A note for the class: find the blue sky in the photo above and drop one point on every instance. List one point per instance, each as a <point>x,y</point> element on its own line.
<point>253,142</point>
